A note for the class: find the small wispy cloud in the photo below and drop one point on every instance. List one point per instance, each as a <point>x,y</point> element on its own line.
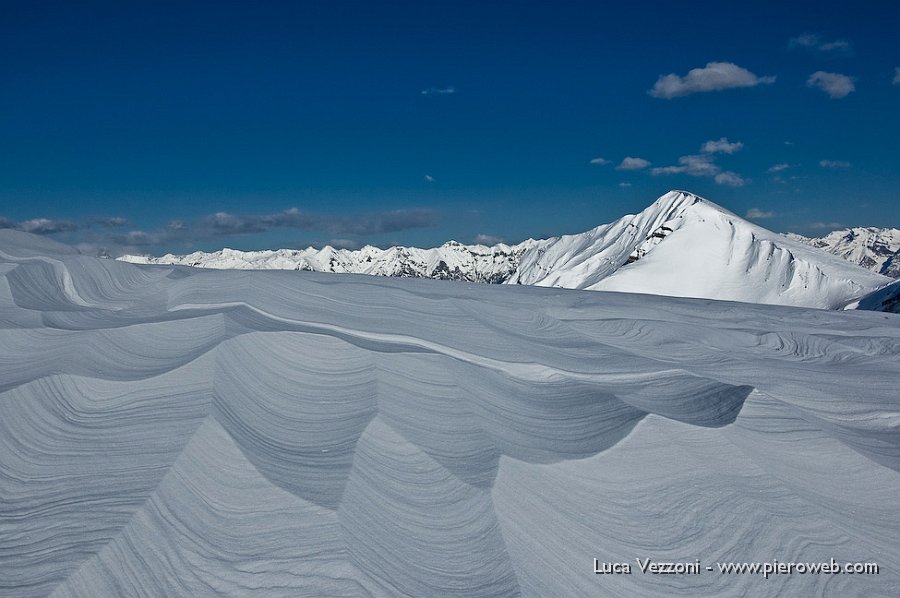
<point>629,163</point>
<point>897,75</point>
<point>835,85</point>
<point>692,164</point>
<point>704,163</point>
<point>483,239</point>
<point>45,226</point>
<point>344,243</point>
<point>624,185</point>
<point>223,224</point>
<point>779,167</point>
<point>812,41</point>
<point>111,221</point>
<point>715,76</point>
<point>721,146</point>
<point>599,161</point>
<point>429,178</point>
<point>758,214</point>
<point>834,164</point>
<point>439,91</point>
<point>825,225</point>
<point>730,179</point>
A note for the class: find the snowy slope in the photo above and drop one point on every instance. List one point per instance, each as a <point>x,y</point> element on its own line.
<point>687,246</point>
<point>450,261</point>
<point>169,431</point>
<point>885,299</point>
<point>875,249</point>
<point>681,245</point>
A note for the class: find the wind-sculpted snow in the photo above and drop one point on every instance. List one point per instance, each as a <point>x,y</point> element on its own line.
<point>167,431</point>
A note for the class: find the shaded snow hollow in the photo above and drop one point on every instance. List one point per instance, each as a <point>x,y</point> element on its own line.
<point>169,431</point>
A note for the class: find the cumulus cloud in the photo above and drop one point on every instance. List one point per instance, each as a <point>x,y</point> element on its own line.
<point>835,85</point>
<point>834,164</point>
<point>779,167</point>
<point>629,163</point>
<point>757,214</point>
<point>715,76</point>
<point>811,41</point>
<point>438,91</point>
<point>722,146</point>
<point>600,161</point>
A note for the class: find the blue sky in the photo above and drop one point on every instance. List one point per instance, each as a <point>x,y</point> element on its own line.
<point>176,126</point>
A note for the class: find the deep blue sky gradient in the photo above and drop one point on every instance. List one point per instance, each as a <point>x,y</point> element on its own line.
<point>162,111</point>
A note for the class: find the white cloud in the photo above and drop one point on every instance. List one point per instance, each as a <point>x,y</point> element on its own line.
<point>835,85</point>
<point>732,179</point>
<point>694,165</point>
<point>897,75</point>
<point>834,164</point>
<point>438,91</point>
<point>704,163</point>
<point>111,221</point>
<point>44,226</point>
<point>629,163</point>
<point>600,161</point>
<point>812,41</point>
<point>222,224</point>
<point>715,76</point>
<point>344,243</point>
<point>825,225</point>
<point>624,185</point>
<point>429,178</point>
<point>779,167</point>
<point>484,239</point>
<point>757,214</point>
<point>722,146</point>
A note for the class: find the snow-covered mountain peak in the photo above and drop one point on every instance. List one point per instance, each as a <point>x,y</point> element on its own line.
<point>681,245</point>
<point>687,246</point>
<point>876,249</point>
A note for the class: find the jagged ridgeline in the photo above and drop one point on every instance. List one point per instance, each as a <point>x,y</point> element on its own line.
<point>681,245</point>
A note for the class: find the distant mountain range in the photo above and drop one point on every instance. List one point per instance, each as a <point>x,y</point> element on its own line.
<point>450,261</point>
<point>876,249</point>
<point>681,245</point>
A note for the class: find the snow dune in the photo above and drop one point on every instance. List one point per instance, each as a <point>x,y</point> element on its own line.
<point>168,431</point>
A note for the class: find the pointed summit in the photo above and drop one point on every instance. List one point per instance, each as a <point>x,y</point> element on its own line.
<point>687,246</point>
